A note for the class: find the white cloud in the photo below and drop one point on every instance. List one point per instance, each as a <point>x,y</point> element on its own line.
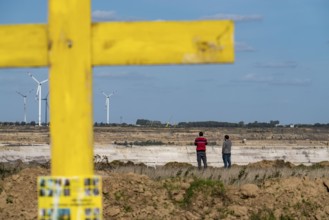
<point>271,80</point>
<point>235,17</point>
<point>243,47</point>
<point>292,82</point>
<point>284,64</point>
<point>100,15</point>
<point>256,78</point>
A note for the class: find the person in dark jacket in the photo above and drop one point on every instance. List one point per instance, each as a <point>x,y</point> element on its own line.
<point>200,143</point>
<point>226,151</point>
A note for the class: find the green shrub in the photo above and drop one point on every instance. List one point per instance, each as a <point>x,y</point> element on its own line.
<point>206,186</point>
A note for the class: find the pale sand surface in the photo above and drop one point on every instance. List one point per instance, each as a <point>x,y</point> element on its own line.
<point>160,155</point>
<point>295,145</point>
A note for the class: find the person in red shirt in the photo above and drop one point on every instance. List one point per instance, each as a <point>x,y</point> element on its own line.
<point>200,143</point>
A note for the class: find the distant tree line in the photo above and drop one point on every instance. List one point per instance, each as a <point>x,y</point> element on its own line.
<point>17,123</point>
<point>145,122</point>
<point>205,124</point>
<point>102,124</point>
<point>214,124</point>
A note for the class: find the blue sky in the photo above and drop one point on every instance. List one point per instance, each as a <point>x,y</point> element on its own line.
<point>281,69</point>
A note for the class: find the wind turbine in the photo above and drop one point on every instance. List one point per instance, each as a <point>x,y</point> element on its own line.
<point>24,98</point>
<point>168,122</point>
<point>107,104</point>
<point>38,94</point>
<point>46,107</point>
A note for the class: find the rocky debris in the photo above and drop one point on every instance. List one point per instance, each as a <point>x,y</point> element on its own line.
<point>112,211</point>
<point>238,211</point>
<point>249,191</point>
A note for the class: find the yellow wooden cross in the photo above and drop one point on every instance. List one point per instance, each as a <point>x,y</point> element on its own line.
<point>70,45</point>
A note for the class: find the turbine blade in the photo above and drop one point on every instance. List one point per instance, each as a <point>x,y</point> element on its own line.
<point>20,94</point>
<point>44,81</point>
<point>34,78</point>
<point>38,90</point>
<point>113,93</point>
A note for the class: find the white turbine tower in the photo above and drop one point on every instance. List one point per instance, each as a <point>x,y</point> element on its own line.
<point>24,98</point>
<point>38,94</point>
<point>46,107</point>
<point>107,104</point>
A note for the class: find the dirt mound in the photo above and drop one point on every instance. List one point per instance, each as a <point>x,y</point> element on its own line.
<point>187,193</point>
<point>18,198</point>
<point>271,163</point>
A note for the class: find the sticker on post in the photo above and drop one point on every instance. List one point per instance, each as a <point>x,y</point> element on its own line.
<point>70,198</point>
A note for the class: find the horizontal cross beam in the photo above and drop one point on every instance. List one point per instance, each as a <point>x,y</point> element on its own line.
<point>127,43</point>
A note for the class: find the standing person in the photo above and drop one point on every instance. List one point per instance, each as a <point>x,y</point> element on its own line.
<point>226,151</point>
<point>200,143</point>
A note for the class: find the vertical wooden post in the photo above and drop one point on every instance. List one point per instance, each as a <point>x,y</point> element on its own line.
<point>72,192</point>
<point>71,87</point>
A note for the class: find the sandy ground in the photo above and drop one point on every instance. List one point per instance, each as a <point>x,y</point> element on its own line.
<point>160,155</point>
<point>268,188</point>
<point>296,145</point>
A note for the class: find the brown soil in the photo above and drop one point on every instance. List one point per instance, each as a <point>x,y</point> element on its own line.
<point>137,192</point>
<point>264,190</point>
<point>25,135</point>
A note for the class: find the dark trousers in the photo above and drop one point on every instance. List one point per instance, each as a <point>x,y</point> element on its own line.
<point>201,155</point>
<point>227,160</point>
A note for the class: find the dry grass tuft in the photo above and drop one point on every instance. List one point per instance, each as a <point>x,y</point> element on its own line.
<point>236,175</point>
